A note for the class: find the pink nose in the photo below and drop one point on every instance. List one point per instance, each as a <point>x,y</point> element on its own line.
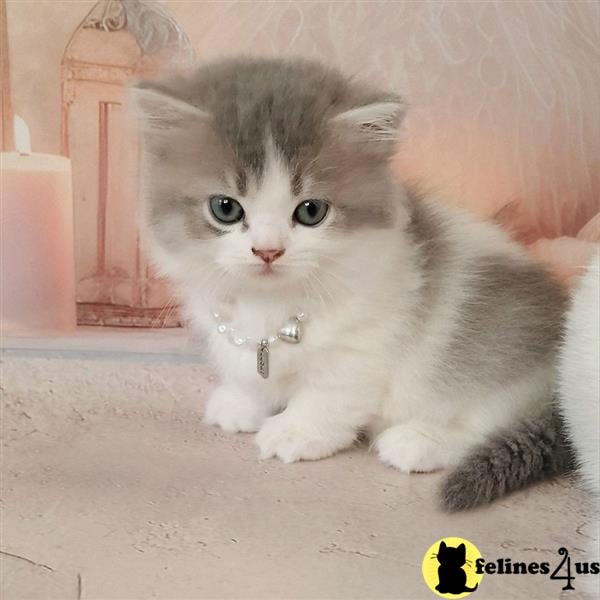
<point>268,256</point>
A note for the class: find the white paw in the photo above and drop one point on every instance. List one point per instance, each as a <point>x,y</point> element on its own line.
<point>291,438</point>
<point>233,410</point>
<point>411,449</point>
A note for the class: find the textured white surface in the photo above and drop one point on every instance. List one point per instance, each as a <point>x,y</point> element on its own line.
<point>167,345</point>
<point>108,473</point>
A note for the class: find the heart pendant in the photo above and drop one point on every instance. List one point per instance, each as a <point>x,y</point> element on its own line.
<point>291,332</point>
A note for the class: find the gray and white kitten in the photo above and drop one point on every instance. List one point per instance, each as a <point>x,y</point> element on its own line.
<point>268,191</point>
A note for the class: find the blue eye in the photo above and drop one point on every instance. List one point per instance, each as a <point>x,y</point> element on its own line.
<point>225,209</point>
<point>311,212</point>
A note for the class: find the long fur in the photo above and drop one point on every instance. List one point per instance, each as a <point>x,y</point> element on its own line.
<point>530,452</point>
<point>579,391</point>
<point>426,328</point>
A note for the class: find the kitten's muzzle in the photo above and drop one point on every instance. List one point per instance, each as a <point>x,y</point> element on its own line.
<point>268,256</point>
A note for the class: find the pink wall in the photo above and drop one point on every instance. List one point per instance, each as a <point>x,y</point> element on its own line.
<point>505,95</point>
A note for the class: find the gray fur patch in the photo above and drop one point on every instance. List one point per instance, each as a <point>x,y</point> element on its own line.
<point>197,226</point>
<point>363,192</point>
<point>290,100</point>
<point>365,216</point>
<point>241,182</point>
<point>534,451</point>
<point>427,229</point>
<point>510,322</point>
<point>429,232</point>
<point>511,317</point>
<point>296,184</point>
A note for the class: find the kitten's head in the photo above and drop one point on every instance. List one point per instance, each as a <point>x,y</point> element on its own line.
<point>450,556</point>
<point>265,175</point>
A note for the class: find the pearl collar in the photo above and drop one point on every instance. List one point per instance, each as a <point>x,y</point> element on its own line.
<point>290,332</point>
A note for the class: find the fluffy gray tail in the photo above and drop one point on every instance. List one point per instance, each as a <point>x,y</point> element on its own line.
<point>534,450</point>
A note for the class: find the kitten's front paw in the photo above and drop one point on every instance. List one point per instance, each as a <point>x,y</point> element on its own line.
<point>411,450</point>
<point>291,439</point>
<point>233,410</point>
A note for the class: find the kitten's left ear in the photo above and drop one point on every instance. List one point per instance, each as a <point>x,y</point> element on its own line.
<point>376,127</point>
<point>159,112</point>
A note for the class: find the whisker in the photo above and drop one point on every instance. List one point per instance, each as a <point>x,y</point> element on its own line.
<point>169,314</point>
<point>315,290</point>
<point>155,323</point>
<point>322,287</point>
<point>325,288</point>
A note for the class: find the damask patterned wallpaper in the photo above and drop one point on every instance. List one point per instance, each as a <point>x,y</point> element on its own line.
<point>504,95</point>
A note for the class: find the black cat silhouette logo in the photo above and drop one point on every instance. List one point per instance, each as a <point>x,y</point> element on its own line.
<point>449,567</point>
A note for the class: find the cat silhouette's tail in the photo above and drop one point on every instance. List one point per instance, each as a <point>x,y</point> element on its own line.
<point>468,589</point>
<point>535,449</point>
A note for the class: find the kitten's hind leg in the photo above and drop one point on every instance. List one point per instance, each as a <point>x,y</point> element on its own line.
<point>421,446</point>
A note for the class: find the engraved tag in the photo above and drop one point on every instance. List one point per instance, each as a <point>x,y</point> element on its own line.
<point>262,358</point>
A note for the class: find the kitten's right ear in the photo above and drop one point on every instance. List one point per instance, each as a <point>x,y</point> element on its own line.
<point>158,112</point>
<point>374,127</point>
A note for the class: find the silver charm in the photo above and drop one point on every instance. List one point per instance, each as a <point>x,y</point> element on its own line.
<point>291,332</point>
<point>262,358</point>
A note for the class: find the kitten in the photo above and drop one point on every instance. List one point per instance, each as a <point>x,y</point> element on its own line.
<point>452,577</point>
<point>268,191</point>
<point>579,386</point>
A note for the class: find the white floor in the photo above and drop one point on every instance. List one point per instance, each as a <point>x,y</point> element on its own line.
<point>112,488</point>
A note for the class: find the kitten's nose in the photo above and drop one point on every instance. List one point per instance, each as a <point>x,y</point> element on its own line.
<point>269,255</point>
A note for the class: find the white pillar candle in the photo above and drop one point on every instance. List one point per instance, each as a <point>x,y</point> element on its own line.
<point>37,265</point>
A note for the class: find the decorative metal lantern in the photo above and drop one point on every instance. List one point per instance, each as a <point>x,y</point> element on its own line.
<point>118,41</point>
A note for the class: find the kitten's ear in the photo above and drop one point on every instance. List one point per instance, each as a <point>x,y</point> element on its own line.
<point>158,112</point>
<point>462,550</point>
<point>376,127</point>
<point>442,546</point>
